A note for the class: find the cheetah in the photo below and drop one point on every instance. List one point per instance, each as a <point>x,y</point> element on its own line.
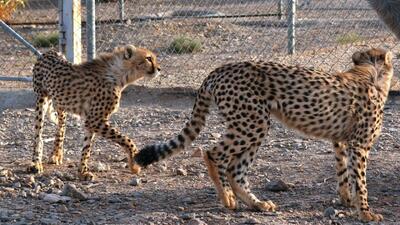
<point>92,91</point>
<point>345,108</point>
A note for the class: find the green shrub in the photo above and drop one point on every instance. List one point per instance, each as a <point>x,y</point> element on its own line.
<point>45,40</point>
<point>183,45</point>
<point>349,38</point>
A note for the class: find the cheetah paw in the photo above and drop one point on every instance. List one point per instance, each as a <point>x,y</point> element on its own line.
<point>135,169</point>
<point>229,200</point>
<point>35,168</point>
<point>86,176</point>
<point>265,206</point>
<point>56,159</point>
<point>367,216</point>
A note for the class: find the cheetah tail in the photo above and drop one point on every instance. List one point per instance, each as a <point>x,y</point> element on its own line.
<point>154,153</point>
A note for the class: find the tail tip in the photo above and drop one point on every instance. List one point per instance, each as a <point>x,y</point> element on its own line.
<point>146,156</point>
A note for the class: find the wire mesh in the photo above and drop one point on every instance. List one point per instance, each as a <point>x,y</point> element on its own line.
<point>191,37</point>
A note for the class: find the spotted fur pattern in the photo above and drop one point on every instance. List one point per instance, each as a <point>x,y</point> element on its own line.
<point>345,108</point>
<point>91,90</point>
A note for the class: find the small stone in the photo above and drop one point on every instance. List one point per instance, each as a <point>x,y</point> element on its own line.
<point>101,167</point>
<point>3,179</point>
<point>54,198</point>
<point>135,181</point>
<point>23,194</point>
<point>188,216</point>
<point>28,215</point>
<point>181,172</point>
<point>188,200</point>
<point>73,192</point>
<point>252,221</point>
<point>114,200</point>
<point>17,185</point>
<point>277,185</point>
<point>63,208</point>
<point>49,221</point>
<point>196,221</point>
<point>330,212</point>
<point>216,135</point>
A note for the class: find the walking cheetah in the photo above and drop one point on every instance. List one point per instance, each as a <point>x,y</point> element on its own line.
<point>91,90</point>
<point>345,108</point>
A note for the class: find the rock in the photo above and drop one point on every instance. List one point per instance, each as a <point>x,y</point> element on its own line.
<point>181,172</point>
<point>4,215</point>
<point>216,135</point>
<point>49,221</point>
<point>277,185</point>
<point>63,208</point>
<point>252,221</point>
<point>135,181</point>
<point>114,200</point>
<point>330,212</point>
<point>17,185</point>
<point>71,191</point>
<point>23,194</point>
<point>3,179</point>
<point>101,167</point>
<point>188,216</point>
<point>54,198</point>
<point>196,221</point>
<point>28,215</point>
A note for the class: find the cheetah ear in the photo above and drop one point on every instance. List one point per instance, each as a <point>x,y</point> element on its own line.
<point>129,51</point>
<point>388,58</point>
<point>360,57</point>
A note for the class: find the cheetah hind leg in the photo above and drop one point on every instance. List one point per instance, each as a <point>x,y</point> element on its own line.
<point>226,195</point>
<point>58,152</point>
<point>238,180</point>
<point>41,107</point>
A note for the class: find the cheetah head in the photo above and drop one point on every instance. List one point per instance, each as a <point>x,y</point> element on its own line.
<point>380,60</point>
<point>140,62</point>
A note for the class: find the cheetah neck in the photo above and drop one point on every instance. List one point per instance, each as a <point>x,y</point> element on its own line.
<point>123,77</point>
<point>380,78</point>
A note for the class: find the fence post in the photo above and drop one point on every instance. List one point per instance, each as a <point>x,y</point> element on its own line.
<point>291,26</point>
<point>91,29</point>
<point>70,30</point>
<point>280,9</point>
<point>121,11</point>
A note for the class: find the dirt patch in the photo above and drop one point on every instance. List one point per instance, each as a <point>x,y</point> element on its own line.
<point>178,190</point>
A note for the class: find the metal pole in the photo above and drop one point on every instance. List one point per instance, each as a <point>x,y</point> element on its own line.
<point>280,9</point>
<point>72,29</point>
<point>121,11</point>
<point>61,31</point>
<point>12,32</point>
<point>91,29</point>
<point>291,26</point>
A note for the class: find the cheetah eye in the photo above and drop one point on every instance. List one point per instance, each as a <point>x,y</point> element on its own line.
<point>149,59</point>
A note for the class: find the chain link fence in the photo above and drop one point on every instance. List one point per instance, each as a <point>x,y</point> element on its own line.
<point>191,37</point>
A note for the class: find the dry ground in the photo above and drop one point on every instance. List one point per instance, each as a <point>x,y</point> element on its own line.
<point>165,197</point>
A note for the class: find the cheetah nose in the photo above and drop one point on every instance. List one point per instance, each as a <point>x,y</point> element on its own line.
<point>158,69</point>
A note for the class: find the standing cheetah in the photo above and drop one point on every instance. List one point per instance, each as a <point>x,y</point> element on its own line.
<point>345,108</point>
<point>91,90</point>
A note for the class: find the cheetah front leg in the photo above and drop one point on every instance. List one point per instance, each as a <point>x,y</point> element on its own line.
<point>41,107</point>
<point>357,178</point>
<point>83,172</point>
<point>109,132</point>
<point>58,152</point>
<point>343,188</point>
